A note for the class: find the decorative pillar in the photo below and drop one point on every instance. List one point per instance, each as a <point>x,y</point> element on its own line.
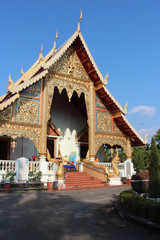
<point>43,143</point>
<point>91,122</point>
<point>129,149</point>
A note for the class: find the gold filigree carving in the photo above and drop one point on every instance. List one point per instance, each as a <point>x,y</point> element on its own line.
<point>27,111</point>
<point>16,131</point>
<point>71,85</point>
<point>6,114</point>
<point>99,103</point>
<point>33,90</point>
<point>70,64</point>
<point>111,140</point>
<point>104,121</point>
<point>116,129</point>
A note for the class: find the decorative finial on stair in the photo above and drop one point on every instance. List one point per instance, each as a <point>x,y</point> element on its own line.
<point>10,83</point>
<point>41,55</point>
<point>22,72</point>
<point>54,47</point>
<point>78,28</point>
<point>125,108</point>
<point>106,79</point>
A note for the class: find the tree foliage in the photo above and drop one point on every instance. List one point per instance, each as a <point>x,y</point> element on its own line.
<point>154,171</point>
<point>140,158</point>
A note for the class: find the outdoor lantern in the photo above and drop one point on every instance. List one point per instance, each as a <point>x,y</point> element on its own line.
<point>13,146</point>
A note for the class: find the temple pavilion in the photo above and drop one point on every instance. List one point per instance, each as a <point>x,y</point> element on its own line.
<point>62,103</point>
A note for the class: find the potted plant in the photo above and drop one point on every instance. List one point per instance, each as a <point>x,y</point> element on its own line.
<point>140,182</point>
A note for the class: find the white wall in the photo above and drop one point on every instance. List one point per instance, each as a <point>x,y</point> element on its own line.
<point>25,148</point>
<point>68,118</point>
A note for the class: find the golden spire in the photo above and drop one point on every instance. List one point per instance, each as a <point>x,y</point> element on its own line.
<point>41,55</point>
<point>54,47</point>
<point>106,79</point>
<point>10,83</point>
<point>78,28</point>
<point>22,72</point>
<point>125,108</point>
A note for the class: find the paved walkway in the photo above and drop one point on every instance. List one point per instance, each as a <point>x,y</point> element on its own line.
<point>78,215</point>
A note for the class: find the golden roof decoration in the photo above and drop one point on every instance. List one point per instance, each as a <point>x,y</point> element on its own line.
<point>22,72</point>
<point>10,83</point>
<point>80,19</point>
<point>41,55</point>
<point>125,108</point>
<point>106,79</point>
<point>54,47</point>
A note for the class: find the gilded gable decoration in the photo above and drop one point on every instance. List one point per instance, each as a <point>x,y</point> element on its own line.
<point>33,91</point>
<point>117,130</point>
<point>16,131</point>
<point>99,103</point>
<point>6,114</point>
<point>104,121</point>
<point>27,111</point>
<point>10,83</point>
<point>69,64</point>
<point>71,85</point>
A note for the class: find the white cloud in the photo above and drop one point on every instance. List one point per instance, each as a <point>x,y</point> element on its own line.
<point>150,131</point>
<point>144,110</point>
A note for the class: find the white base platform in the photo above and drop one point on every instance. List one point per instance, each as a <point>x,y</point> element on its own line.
<point>115,181</point>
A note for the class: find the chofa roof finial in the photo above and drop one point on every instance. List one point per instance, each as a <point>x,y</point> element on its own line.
<point>125,108</point>
<point>146,137</point>
<point>22,72</point>
<point>41,55</point>
<point>54,47</point>
<point>10,83</point>
<point>106,79</point>
<point>78,28</point>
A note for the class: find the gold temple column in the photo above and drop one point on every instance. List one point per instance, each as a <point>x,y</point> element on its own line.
<point>91,122</point>
<point>129,149</point>
<point>43,144</point>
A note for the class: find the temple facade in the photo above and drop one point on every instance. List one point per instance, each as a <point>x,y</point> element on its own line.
<point>62,103</point>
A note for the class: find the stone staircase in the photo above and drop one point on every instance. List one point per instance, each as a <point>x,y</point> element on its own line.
<point>79,180</point>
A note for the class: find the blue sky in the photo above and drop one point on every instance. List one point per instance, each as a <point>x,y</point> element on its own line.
<point>123,37</point>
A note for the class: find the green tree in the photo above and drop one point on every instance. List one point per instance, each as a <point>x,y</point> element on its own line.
<point>157,139</point>
<point>154,171</point>
<point>140,158</point>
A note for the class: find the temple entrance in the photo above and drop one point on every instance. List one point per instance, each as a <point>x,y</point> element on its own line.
<point>4,148</point>
<point>70,118</point>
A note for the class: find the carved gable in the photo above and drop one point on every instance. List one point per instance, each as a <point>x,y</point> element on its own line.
<point>6,114</point>
<point>69,64</point>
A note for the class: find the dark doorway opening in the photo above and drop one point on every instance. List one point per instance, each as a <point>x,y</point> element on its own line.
<point>50,146</point>
<point>4,149</point>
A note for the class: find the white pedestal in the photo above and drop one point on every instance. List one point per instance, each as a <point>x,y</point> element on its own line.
<point>22,169</point>
<point>115,181</point>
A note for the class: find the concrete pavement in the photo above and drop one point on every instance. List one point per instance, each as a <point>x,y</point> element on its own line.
<point>83,214</point>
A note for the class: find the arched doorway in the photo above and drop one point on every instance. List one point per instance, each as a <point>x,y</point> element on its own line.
<point>70,118</point>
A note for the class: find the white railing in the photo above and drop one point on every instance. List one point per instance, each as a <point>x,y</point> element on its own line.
<point>7,165</point>
<point>120,166</point>
<point>33,166</point>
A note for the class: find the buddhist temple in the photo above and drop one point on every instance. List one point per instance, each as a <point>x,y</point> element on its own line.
<point>62,103</point>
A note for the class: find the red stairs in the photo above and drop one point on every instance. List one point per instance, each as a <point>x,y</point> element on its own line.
<point>80,180</point>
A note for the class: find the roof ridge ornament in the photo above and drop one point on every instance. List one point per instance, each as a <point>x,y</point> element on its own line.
<point>22,72</point>
<point>106,79</point>
<point>41,55</point>
<point>125,107</point>
<point>78,28</point>
<point>54,47</point>
<point>10,83</point>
